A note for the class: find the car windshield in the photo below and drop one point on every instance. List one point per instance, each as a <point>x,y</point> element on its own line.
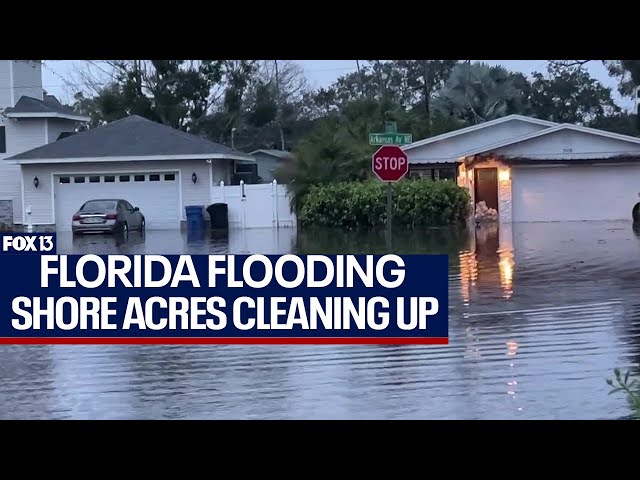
<point>99,206</point>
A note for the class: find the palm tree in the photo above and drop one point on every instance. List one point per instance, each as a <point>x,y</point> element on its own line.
<point>478,93</point>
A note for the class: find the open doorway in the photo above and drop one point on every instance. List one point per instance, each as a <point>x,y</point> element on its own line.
<point>486,187</point>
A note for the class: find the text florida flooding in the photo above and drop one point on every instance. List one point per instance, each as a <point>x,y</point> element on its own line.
<point>257,299</point>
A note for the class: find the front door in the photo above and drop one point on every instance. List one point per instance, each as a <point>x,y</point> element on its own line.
<point>486,186</point>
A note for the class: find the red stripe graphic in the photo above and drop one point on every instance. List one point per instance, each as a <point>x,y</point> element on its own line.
<point>223,341</point>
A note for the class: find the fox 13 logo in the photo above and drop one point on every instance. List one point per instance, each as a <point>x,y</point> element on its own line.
<point>32,243</point>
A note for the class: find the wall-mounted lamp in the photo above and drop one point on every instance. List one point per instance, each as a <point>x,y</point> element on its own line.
<point>503,175</point>
<point>194,177</point>
<point>36,182</point>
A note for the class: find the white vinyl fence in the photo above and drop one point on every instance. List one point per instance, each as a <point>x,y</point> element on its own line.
<point>255,206</point>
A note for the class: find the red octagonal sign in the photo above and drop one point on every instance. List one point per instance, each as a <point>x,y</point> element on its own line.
<point>390,163</point>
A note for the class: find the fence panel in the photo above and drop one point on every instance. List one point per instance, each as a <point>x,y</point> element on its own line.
<point>256,206</point>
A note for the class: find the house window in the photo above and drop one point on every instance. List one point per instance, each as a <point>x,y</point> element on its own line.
<point>3,140</point>
<point>438,173</point>
<point>154,178</point>
<point>246,167</point>
<point>138,178</point>
<point>78,179</point>
<point>447,174</point>
<point>124,178</point>
<point>109,179</point>
<point>65,180</point>
<point>94,179</point>
<point>169,177</point>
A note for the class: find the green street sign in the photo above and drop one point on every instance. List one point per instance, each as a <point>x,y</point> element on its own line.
<point>390,138</point>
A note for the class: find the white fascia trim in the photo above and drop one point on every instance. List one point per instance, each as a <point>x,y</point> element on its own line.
<point>549,131</point>
<point>46,161</point>
<point>480,126</point>
<point>13,92</point>
<point>433,160</point>
<point>78,118</point>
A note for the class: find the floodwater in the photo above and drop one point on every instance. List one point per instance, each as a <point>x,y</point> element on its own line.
<point>540,315</point>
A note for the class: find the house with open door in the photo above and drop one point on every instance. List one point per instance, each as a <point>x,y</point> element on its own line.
<point>532,170</point>
<point>152,166</point>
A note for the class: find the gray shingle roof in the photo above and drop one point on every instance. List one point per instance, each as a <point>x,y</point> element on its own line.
<point>275,153</point>
<point>50,104</point>
<point>132,136</point>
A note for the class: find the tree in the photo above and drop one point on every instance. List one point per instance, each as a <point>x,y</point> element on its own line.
<point>570,95</point>
<point>330,154</point>
<point>626,71</point>
<point>424,78</point>
<point>178,93</point>
<point>206,97</point>
<point>477,92</point>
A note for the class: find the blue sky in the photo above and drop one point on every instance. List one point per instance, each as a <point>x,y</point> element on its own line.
<point>319,72</point>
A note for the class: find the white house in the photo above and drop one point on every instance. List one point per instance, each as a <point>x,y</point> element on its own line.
<point>154,167</point>
<point>50,171</point>
<point>532,170</point>
<point>28,119</point>
<point>268,162</point>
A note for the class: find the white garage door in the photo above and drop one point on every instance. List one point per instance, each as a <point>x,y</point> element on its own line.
<point>575,193</point>
<point>157,195</point>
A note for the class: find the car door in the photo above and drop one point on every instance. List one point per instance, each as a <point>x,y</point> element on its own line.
<point>121,212</point>
<point>133,219</point>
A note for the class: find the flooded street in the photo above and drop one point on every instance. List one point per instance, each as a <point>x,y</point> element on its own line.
<point>540,315</point>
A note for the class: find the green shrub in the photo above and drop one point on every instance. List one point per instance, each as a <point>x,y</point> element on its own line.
<point>631,389</point>
<point>363,204</point>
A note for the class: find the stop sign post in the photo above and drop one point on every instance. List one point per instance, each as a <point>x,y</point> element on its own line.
<point>390,164</point>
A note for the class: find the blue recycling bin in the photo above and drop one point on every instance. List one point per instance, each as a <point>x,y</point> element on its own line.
<point>195,217</point>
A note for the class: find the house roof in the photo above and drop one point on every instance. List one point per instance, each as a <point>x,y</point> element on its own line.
<point>49,107</point>
<point>282,154</point>
<point>474,128</point>
<point>550,131</point>
<point>124,139</point>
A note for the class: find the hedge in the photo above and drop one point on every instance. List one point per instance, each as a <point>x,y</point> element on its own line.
<point>363,204</point>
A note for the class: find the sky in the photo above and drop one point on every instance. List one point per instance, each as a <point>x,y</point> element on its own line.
<point>320,73</point>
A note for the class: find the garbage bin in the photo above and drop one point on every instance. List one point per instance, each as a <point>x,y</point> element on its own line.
<point>195,217</point>
<point>219,213</point>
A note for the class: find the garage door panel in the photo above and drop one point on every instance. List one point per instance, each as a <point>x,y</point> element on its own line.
<point>157,195</point>
<point>579,193</point>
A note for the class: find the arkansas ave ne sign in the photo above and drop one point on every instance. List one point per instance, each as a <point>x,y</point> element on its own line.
<point>390,163</point>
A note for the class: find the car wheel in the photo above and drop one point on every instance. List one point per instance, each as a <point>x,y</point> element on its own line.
<point>142,226</point>
<point>125,230</point>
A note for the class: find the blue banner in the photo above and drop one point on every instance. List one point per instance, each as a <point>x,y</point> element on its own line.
<point>224,299</point>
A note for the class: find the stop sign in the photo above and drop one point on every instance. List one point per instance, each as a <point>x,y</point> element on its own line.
<point>390,163</point>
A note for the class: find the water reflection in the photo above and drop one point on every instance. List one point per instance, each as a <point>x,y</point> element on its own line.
<point>446,241</point>
<point>487,266</point>
<point>191,241</point>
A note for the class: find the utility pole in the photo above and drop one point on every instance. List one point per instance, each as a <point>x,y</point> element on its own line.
<point>360,78</point>
<point>279,110</point>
